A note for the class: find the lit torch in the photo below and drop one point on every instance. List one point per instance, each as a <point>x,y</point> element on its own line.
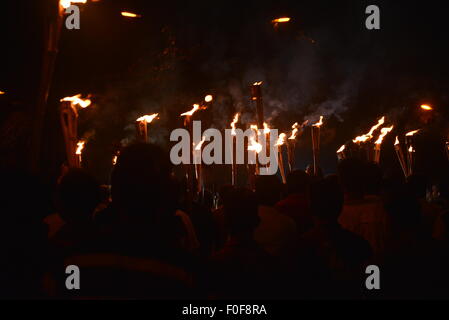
<point>142,126</point>
<point>79,152</point>
<point>127,14</point>
<point>341,153</point>
<point>281,141</point>
<point>378,143</point>
<point>409,137</point>
<point>401,157</point>
<point>233,146</point>
<point>316,133</point>
<point>69,124</point>
<point>368,137</point>
<point>199,164</point>
<point>291,144</point>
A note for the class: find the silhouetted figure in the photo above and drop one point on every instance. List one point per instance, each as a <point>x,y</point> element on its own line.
<point>242,269</point>
<point>276,232</point>
<point>332,258</point>
<point>296,205</point>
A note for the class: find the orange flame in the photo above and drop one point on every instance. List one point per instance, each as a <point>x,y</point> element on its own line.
<point>2,92</point>
<point>266,128</point>
<point>320,123</point>
<point>80,148</point>
<point>67,3</point>
<point>148,119</point>
<point>127,14</point>
<point>200,145</point>
<point>295,131</point>
<point>343,148</point>
<point>196,107</point>
<point>282,139</point>
<point>411,149</point>
<point>258,83</point>
<point>234,123</point>
<point>114,160</point>
<point>77,101</point>
<point>281,20</point>
<point>426,107</point>
<point>369,135</point>
<point>255,128</point>
<point>384,133</point>
<point>397,142</point>
<point>254,145</point>
<point>208,98</point>
<point>412,133</point>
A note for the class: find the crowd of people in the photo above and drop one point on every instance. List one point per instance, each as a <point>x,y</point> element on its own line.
<point>145,238</point>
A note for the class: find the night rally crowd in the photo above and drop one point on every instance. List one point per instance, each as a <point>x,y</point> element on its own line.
<point>310,239</point>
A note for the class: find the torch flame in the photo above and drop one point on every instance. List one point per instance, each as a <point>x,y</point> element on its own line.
<point>343,148</point>
<point>426,107</point>
<point>412,133</point>
<point>196,107</point>
<point>80,148</point>
<point>67,3</point>
<point>76,100</point>
<point>411,149</point>
<point>320,123</point>
<point>295,128</point>
<point>255,127</point>
<point>281,20</point>
<point>130,14</point>
<point>209,98</point>
<point>258,83</point>
<point>282,139</point>
<point>2,92</point>
<point>384,133</point>
<point>200,145</point>
<point>266,128</point>
<point>114,160</point>
<point>254,145</point>
<point>148,119</point>
<point>369,135</point>
<point>397,141</point>
<point>234,123</point>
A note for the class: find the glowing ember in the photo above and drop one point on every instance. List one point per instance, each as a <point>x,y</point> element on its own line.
<point>412,133</point>
<point>196,107</point>
<point>67,3</point>
<point>426,107</point>
<point>130,15</point>
<point>281,20</point>
<point>343,148</point>
<point>320,123</point>
<point>254,145</point>
<point>80,148</point>
<point>234,123</point>
<point>200,145</point>
<point>209,98</point>
<point>282,139</point>
<point>369,135</point>
<point>148,119</point>
<point>77,101</point>
<point>384,133</point>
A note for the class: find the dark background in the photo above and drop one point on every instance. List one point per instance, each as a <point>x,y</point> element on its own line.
<point>324,62</point>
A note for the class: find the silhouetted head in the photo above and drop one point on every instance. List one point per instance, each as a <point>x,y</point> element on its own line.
<point>326,199</point>
<point>298,182</point>
<point>403,209</point>
<point>141,181</point>
<point>268,190</point>
<point>351,174</point>
<point>78,195</point>
<point>241,212</point>
<point>417,185</point>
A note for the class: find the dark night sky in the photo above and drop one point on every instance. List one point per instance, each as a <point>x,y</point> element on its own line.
<point>181,50</point>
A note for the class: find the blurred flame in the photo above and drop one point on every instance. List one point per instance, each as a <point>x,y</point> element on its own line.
<point>148,119</point>
<point>80,148</point>
<point>397,141</point>
<point>2,92</point>
<point>67,3</point>
<point>412,133</point>
<point>77,101</point>
<point>384,133</point>
<point>254,127</point>
<point>281,20</point>
<point>130,14</point>
<point>426,107</point>
<point>200,145</point>
<point>258,83</point>
<point>114,160</point>
<point>196,107</point>
<point>295,128</point>
<point>320,123</point>
<point>369,135</point>
<point>234,123</point>
<point>343,147</point>
<point>282,139</point>
<point>266,128</point>
<point>209,98</point>
<point>411,149</point>
<point>254,145</point>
